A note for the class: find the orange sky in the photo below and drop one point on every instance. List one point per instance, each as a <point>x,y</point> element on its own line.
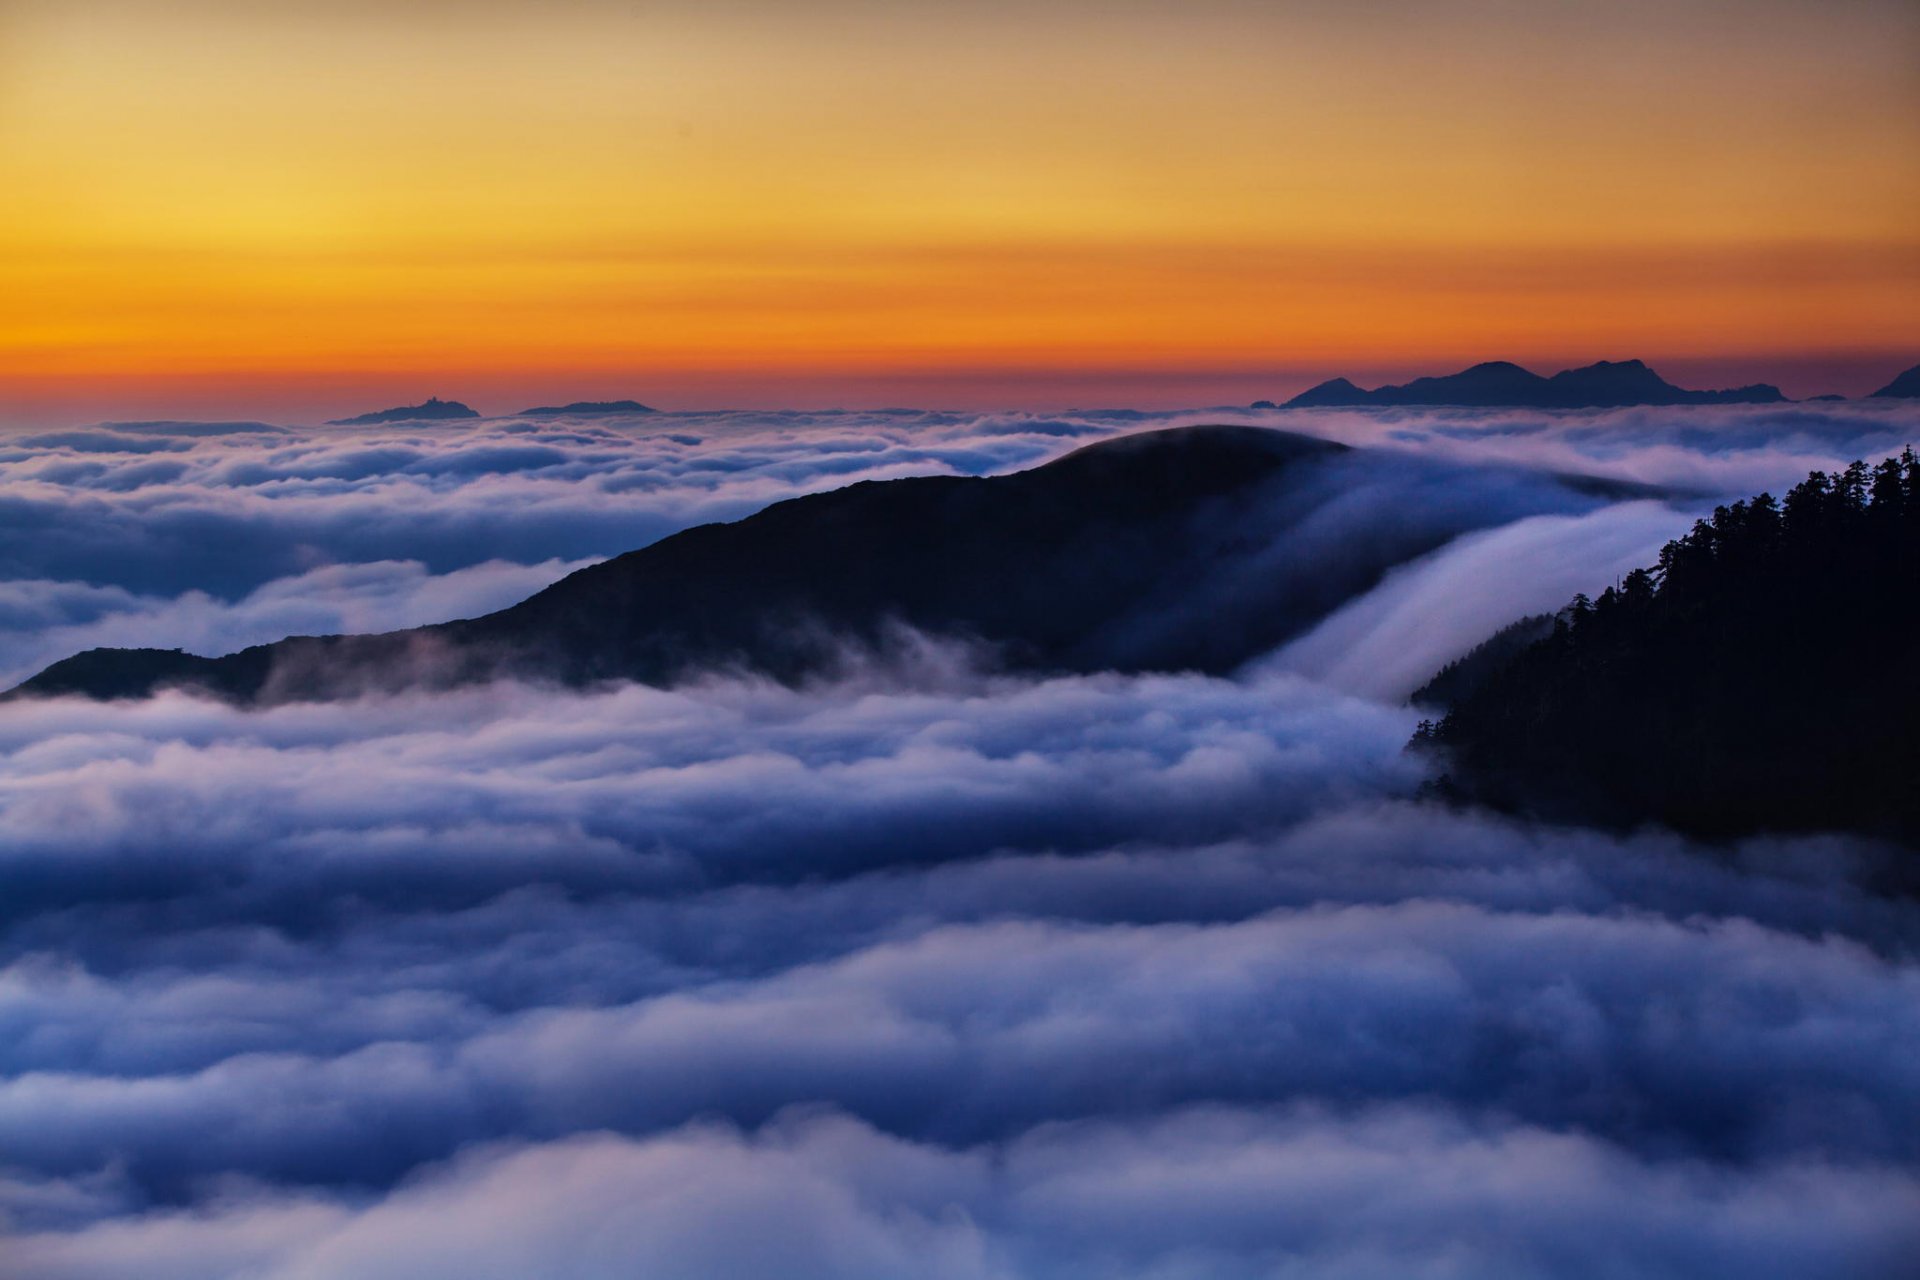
<point>294,208</point>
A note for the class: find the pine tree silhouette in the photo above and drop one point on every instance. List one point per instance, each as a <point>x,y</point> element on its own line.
<point>1764,675</point>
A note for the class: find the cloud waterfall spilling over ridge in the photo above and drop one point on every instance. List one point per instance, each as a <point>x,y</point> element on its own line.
<point>923,971</point>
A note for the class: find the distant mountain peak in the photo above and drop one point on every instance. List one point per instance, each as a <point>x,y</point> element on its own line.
<point>586,409</point>
<point>432,408</point>
<point>1904,387</point>
<point>1334,391</point>
<point>1605,384</point>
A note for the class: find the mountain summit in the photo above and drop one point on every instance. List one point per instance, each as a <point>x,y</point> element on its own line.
<point>433,408</point>
<point>586,409</point>
<point>1608,384</point>
<point>1904,387</point>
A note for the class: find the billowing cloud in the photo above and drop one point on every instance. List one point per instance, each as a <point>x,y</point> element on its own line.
<point>49,621</point>
<point>1391,640</point>
<point>924,971</point>
<point>110,521</point>
<point>1227,1192</point>
<point>1733,450</point>
<point>115,521</point>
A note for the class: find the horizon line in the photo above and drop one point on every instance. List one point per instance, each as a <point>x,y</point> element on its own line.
<point>315,399</point>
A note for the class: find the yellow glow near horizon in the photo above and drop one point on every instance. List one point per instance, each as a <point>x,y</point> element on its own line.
<point>211,191</point>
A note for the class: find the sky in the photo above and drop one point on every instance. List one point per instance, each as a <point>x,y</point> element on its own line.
<point>296,209</point>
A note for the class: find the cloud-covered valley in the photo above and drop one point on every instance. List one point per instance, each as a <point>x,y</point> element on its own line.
<point>922,970</point>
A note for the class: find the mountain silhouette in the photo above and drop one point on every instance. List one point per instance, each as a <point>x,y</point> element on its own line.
<point>1608,384</point>
<point>1759,678</point>
<point>433,408</point>
<point>1904,387</point>
<point>1194,548</point>
<point>586,409</point>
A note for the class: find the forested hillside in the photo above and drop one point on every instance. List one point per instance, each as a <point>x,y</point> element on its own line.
<point>1762,676</point>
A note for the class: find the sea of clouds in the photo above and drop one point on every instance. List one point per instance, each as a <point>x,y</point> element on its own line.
<point>923,972</point>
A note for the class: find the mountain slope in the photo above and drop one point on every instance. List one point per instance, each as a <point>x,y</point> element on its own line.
<point>1761,678</point>
<point>1194,548</point>
<point>1502,384</point>
<point>586,409</point>
<point>1904,387</point>
<point>434,408</point>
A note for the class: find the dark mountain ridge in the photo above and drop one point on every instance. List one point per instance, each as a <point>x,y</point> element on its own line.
<point>1905,386</point>
<point>1607,384</point>
<point>1761,677</point>
<point>586,409</point>
<point>1195,548</point>
<point>434,408</point>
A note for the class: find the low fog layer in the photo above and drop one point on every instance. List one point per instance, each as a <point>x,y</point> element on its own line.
<point>924,972</point>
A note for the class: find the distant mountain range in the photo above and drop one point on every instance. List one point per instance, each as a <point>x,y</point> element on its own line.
<point>1165,550</point>
<point>434,408</point>
<point>586,409</point>
<point>1503,384</point>
<point>1492,384</point>
<point>438,409</point>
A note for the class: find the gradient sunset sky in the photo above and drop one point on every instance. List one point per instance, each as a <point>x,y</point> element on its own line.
<point>299,208</point>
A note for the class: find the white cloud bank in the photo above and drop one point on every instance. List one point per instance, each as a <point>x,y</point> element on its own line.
<point>926,973</point>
